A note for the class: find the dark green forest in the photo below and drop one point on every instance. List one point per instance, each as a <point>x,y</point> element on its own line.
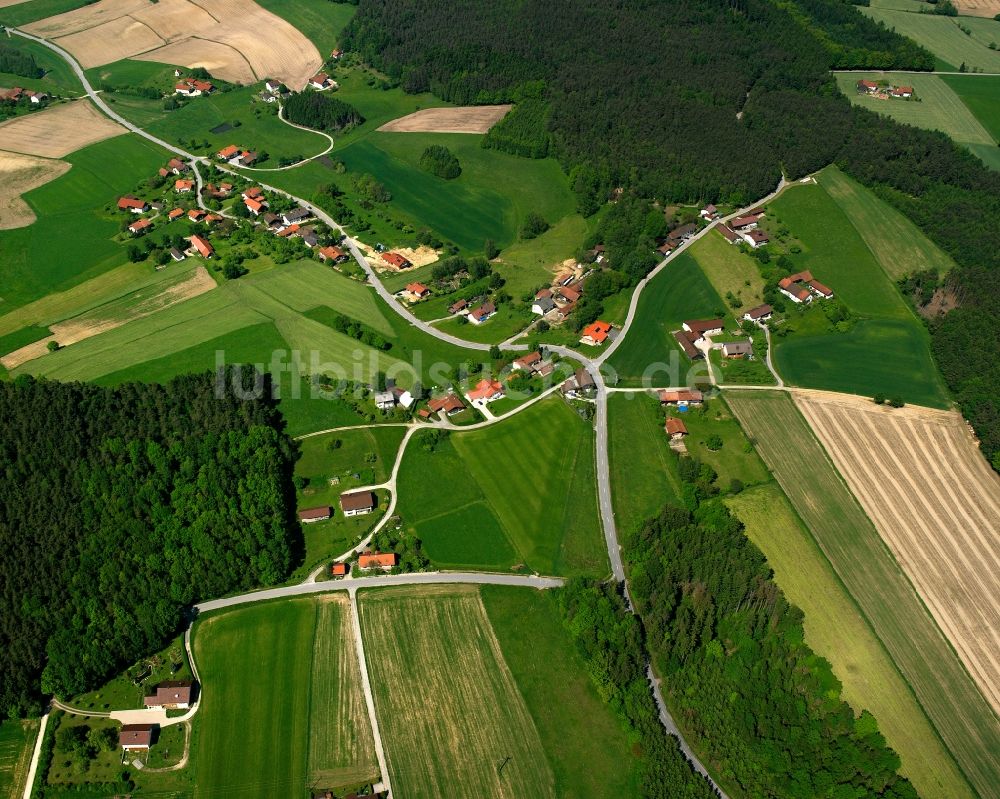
<point>314,110</point>
<point>762,707</point>
<point>18,62</point>
<point>121,507</point>
<point>712,100</point>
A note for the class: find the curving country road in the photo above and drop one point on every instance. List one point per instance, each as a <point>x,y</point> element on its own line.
<point>592,365</point>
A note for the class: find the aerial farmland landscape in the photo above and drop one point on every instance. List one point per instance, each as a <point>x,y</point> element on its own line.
<point>431,399</point>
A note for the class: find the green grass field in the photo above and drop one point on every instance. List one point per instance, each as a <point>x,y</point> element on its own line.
<point>448,706</point>
<point>17,739</point>
<point>935,107</point>
<point>836,630</point>
<point>897,244</point>
<point>528,264</point>
<point>729,270</point>
<point>35,261</point>
<point>982,96</point>
<point>32,10</point>
<point>277,676</point>
<point>320,20</point>
<point>942,36</point>
<point>59,78</point>
<point>574,724</point>
<point>519,493</point>
<point>888,348</point>
<point>679,292</point>
<point>861,560</point>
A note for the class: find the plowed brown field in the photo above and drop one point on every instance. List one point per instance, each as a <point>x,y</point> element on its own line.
<point>59,130</point>
<point>462,119</point>
<point>935,501</point>
<point>236,40</point>
<point>20,174</point>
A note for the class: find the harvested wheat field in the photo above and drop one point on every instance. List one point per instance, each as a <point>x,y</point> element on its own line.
<point>224,36</point>
<point>978,8</point>
<point>174,289</point>
<point>448,707</point>
<point>461,119</point>
<point>935,501</point>
<point>59,130</point>
<point>20,174</point>
<point>219,59</point>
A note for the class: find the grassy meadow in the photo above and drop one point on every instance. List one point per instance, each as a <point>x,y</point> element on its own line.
<point>867,570</point>
<point>283,674</point>
<point>319,20</point>
<point>729,270</point>
<point>936,106</point>
<point>942,36</point>
<point>17,740</point>
<point>35,260</point>
<point>981,93</point>
<point>681,291</point>
<point>836,629</point>
<point>886,348</point>
<point>529,264</point>
<point>518,495</point>
<point>59,78</point>
<point>32,10</point>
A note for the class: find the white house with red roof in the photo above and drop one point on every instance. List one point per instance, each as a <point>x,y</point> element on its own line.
<point>485,391</point>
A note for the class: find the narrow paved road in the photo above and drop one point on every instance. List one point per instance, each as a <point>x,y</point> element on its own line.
<point>35,754</point>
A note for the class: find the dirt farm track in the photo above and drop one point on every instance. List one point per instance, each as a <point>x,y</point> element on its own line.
<point>936,503</point>
<point>224,36</point>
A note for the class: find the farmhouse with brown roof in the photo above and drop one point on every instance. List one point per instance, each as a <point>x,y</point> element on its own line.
<point>686,340</point>
<point>703,327</point>
<point>867,86</point>
<point>395,260</point>
<point>450,404</point>
<point>133,204</point>
<point>182,186</point>
<point>357,503</point>
<point>338,570</point>
<point>527,362</point>
<point>675,428</point>
<point>485,311</point>
<point>320,514</point>
<point>458,307</point>
<point>748,222</point>
<point>136,736</point>
<point>681,398</point>
<point>334,254</point>
<point>417,291</point>
<point>759,314</point>
<point>172,693</point>
<point>200,245</point>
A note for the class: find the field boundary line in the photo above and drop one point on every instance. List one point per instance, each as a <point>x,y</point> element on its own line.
<point>366,686</point>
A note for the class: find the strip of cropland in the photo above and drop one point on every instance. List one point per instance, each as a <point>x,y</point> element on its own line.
<point>962,717</point>
<point>516,494</point>
<point>885,347</point>
<point>934,499</point>
<point>981,93</point>
<point>281,708</point>
<point>17,739</point>
<point>836,629</point>
<point>945,39</point>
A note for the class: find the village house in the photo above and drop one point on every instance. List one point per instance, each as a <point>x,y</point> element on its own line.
<point>177,166</point>
<point>759,314</point>
<point>675,428</point>
<point>902,91</point>
<point>253,193</point>
<point>157,205</point>
<point>176,213</point>
<point>334,254</point>
<point>139,226</point>
<point>709,212</point>
<point>728,233</point>
<point>386,561</point>
<point>358,503</point>
<point>568,293</point>
<point>321,82</point>
<point>182,186</point>
<point>339,570</point>
<point>666,248</point>
<point>294,216</point>
<point>748,222</point>
<point>755,238</point>
<point>449,404</point>
<point>273,221</point>
<point>580,384</point>
<point>311,515</point>
<point>803,287</point>
<point>201,246</point>
<point>171,694</point>
<point>527,363</point>
<point>133,204</point>
<point>395,260</point>
<point>230,151</point>
<point>255,207</point>
<point>564,278</point>
<point>595,334</point>
<point>309,237</point>
<point>485,311</point>
<point>682,233</point>
<point>458,307</point>
<point>287,232</point>
<point>192,87</point>
<point>703,327</point>
<point>196,214</point>
<point>542,305</point>
<point>867,86</point>
<point>737,349</point>
<point>682,398</point>
<point>273,86</point>
<point>176,254</point>
<point>687,341</point>
<point>485,391</point>
<point>416,292</point>
<point>136,737</point>
<point>336,54</point>
<point>245,158</point>
<point>385,401</point>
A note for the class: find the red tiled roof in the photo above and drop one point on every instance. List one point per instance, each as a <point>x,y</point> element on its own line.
<point>395,259</point>
<point>202,246</point>
<point>525,361</point>
<point>338,570</point>
<point>288,231</point>
<point>333,253</point>
<point>175,213</point>
<point>684,395</point>
<point>597,331</point>
<point>447,403</point>
<point>417,288</point>
<point>128,203</point>
<point>228,152</point>
<point>371,560</point>
<point>674,426</point>
<point>181,184</point>
<point>743,221</point>
<point>140,224</point>
<point>485,389</point>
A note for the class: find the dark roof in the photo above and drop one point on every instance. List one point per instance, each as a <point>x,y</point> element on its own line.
<point>759,311</point>
<point>322,512</point>
<point>682,232</point>
<point>701,325</point>
<point>171,692</point>
<point>136,735</point>
<point>297,214</point>
<point>689,349</point>
<point>359,500</point>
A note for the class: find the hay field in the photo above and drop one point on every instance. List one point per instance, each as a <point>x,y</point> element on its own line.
<point>836,630</point>
<point>59,130</point>
<point>936,502</point>
<point>460,119</point>
<point>174,289</point>
<point>449,709</point>
<point>224,36</point>
<point>17,740</point>
<point>20,174</point>
<point>978,8</point>
<point>341,748</point>
<point>963,718</point>
<point>942,36</point>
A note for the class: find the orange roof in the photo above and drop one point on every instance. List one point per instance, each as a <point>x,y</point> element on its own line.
<point>288,231</point>
<point>252,204</point>
<point>333,253</point>
<point>417,288</point>
<point>377,559</point>
<point>140,224</point>
<point>485,389</point>
<point>228,152</point>
<point>597,331</point>
<point>681,396</point>
<point>130,202</point>
<point>202,246</point>
<point>175,213</point>
<point>195,214</point>
<point>395,259</point>
<point>213,218</point>
<point>338,570</point>
<point>181,184</point>
<point>253,192</point>
<point>674,426</point>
